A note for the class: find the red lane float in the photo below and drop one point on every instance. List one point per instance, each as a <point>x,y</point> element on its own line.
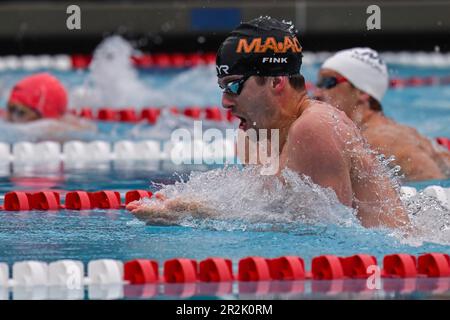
<point>86,113</point>
<point>106,199</point>
<point>400,265</point>
<point>434,265</point>
<point>143,61</point>
<point>134,195</point>
<point>180,270</point>
<point>210,58</point>
<point>356,266</point>
<point>107,114</point>
<point>287,268</point>
<point>162,60</point>
<point>128,115</point>
<point>78,200</point>
<point>215,270</point>
<point>445,142</point>
<point>17,201</point>
<point>141,271</point>
<point>327,267</point>
<point>46,200</point>
<point>193,112</point>
<point>195,59</point>
<point>213,113</point>
<point>150,114</point>
<point>80,61</point>
<point>178,60</point>
<point>254,269</point>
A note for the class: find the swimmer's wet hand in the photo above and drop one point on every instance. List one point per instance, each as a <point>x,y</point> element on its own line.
<point>169,211</point>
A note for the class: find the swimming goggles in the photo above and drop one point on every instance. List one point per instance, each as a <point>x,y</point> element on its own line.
<point>235,86</point>
<point>330,82</point>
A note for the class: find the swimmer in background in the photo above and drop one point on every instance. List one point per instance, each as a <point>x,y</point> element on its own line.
<point>258,69</point>
<point>355,81</point>
<point>39,102</point>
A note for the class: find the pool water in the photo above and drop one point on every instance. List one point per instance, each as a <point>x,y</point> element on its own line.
<point>116,234</point>
<point>91,234</point>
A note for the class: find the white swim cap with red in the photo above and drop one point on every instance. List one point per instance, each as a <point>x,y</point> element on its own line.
<point>363,68</point>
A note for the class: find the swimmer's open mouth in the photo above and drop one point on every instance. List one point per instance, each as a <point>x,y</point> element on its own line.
<point>243,123</point>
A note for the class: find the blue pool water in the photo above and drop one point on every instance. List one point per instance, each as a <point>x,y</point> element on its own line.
<point>89,235</point>
<point>116,234</point>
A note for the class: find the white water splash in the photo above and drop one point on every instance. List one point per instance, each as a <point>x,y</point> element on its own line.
<point>233,199</point>
<point>429,218</point>
<point>244,199</point>
<point>113,81</point>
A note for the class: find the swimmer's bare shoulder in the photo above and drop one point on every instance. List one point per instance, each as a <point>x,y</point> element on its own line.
<point>315,149</point>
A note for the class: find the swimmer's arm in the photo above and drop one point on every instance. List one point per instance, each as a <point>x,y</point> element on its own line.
<point>379,206</point>
<point>312,149</point>
<point>77,123</point>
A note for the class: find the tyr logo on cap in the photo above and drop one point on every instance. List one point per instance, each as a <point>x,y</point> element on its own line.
<point>222,69</point>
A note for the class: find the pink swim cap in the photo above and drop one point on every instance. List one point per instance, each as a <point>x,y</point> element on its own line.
<point>42,92</point>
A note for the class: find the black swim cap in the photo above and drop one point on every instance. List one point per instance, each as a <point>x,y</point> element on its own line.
<point>263,47</point>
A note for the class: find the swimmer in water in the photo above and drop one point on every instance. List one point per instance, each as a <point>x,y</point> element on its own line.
<point>355,81</point>
<point>42,97</point>
<point>258,69</point>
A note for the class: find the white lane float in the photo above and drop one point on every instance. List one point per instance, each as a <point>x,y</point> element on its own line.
<point>105,271</point>
<point>66,273</point>
<point>98,151</point>
<point>30,273</point>
<point>5,152</point>
<point>4,275</point>
<point>47,151</point>
<point>23,152</point>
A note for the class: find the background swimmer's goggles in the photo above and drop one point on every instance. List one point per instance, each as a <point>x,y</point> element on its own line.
<point>20,111</point>
<point>330,82</point>
<point>235,86</point>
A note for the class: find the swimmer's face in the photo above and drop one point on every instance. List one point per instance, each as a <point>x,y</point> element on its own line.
<point>252,105</point>
<point>343,95</point>
<point>19,114</point>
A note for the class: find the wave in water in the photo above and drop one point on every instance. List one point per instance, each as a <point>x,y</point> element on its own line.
<point>113,81</point>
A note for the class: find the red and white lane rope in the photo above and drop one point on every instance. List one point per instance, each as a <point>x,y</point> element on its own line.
<point>250,269</point>
<point>65,62</point>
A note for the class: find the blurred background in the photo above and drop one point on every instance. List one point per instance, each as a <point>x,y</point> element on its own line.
<point>139,54</point>
<point>166,26</point>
